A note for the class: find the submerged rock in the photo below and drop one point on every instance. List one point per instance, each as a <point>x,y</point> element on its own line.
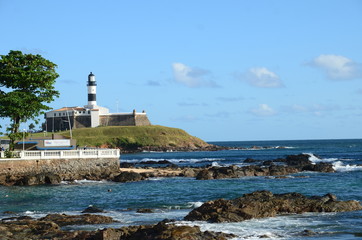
<point>92,209</point>
<point>262,204</point>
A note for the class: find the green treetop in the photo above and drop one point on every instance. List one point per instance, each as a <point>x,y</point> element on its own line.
<point>26,85</point>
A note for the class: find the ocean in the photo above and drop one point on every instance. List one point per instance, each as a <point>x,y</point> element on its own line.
<point>173,198</point>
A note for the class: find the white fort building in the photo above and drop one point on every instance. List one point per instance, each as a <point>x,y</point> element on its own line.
<point>91,115</point>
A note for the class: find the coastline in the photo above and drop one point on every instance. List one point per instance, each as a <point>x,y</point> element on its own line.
<point>168,182</point>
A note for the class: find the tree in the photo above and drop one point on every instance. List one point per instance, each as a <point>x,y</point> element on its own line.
<point>31,127</point>
<point>26,85</point>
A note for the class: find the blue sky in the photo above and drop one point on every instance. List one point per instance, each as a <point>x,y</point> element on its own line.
<point>221,70</point>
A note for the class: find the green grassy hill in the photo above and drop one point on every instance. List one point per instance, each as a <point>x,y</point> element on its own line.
<point>136,137</point>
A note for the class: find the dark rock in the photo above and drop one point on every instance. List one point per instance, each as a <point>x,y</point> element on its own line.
<point>250,160</point>
<point>319,167</point>
<point>189,172</point>
<point>205,174</point>
<point>126,165</point>
<point>37,179</point>
<point>145,210</point>
<point>308,233</point>
<point>92,209</point>
<point>157,162</point>
<point>128,177</point>
<point>163,231</point>
<point>268,163</point>
<point>84,219</point>
<point>300,160</point>
<point>8,212</point>
<point>262,204</point>
<point>49,229</point>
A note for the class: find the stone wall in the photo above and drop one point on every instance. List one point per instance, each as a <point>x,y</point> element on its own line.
<point>117,120</point>
<point>67,169</point>
<point>132,119</point>
<point>82,122</point>
<point>142,120</point>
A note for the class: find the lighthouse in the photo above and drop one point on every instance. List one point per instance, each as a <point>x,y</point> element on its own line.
<point>92,91</point>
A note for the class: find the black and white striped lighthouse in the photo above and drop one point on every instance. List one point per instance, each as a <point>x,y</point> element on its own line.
<point>92,91</point>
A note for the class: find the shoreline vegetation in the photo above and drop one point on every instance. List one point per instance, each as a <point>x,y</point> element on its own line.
<point>131,139</point>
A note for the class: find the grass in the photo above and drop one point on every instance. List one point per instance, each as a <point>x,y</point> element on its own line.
<point>130,137</point>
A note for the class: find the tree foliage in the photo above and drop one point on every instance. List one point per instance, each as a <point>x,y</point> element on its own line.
<point>26,86</point>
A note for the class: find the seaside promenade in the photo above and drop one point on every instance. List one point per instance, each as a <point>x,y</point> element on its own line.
<point>67,164</point>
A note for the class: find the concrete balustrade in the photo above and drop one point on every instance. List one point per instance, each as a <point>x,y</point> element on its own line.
<point>64,154</point>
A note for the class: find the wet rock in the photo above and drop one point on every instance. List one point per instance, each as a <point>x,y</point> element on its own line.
<point>92,209</point>
<point>188,172</point>
<point>308,233</point>
<point>268,163</point>
<point>205,174</point>
<point>37,179</point>
<point>84,219</point>
<point>48,229</point>
<point>157,162</point>
<point>164,231</point>
<point>145,210</point>
<point>128,177</point>
<point>300,160</point>
<point>262,204</point>
<point>319,167</point>
<point>126,165</point>
<point>246,171</point>
<point>250,160</point>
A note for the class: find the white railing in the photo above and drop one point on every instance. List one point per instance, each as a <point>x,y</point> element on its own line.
<point>66,154</point>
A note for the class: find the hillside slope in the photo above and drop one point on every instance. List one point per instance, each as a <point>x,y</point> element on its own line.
<point>138,138</point>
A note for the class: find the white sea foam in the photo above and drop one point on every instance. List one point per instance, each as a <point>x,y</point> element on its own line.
<point>340,167</point>
<point>194,204</point>
<point>215,164</point>
<point>85,181</point>
<point>155,178</point>
<point>174,160</point>
<point>316,159</point>
<point>281,227</point>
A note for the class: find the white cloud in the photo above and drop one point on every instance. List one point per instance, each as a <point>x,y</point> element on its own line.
<point>263,110</point>
<point>337,67</point>
<point>261,77</point>
<point>314,109</point>
<point>191,77</point>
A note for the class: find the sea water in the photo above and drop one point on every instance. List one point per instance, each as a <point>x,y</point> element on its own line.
<point>173,198</point>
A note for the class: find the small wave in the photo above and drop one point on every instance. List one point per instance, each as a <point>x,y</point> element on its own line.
<point>281,227</point>
<point>215,164</point>
<point>174,160</point>
<point>155,179</point>
<point>194,204</point>
<point>316,159</point>
<point>340,167</point>
<point>85,181</point>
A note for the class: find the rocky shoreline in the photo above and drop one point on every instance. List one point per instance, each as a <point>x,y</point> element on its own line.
<point>260,204</point>
<point>281,167</point>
